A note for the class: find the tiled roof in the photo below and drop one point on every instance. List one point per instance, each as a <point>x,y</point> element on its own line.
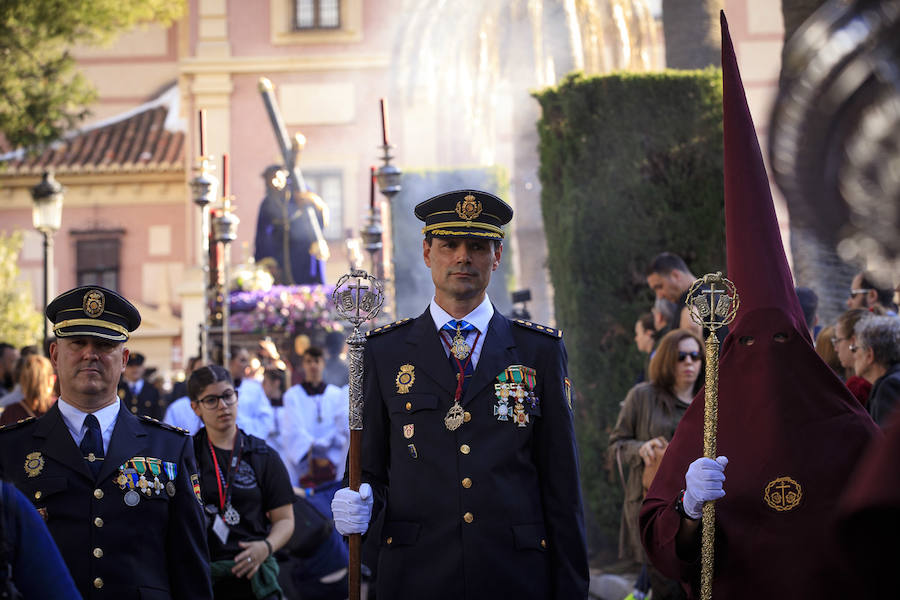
<point>144,139</point>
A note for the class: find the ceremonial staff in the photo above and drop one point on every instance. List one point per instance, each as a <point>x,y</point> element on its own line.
<point>713,301</point>
<point>356,302</point>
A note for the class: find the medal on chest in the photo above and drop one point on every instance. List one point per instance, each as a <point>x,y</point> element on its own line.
<point>458,347</point>
<point>231,516</point>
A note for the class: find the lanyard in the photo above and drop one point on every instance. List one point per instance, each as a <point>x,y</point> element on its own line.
<point>236,452</point>
<point>462,366</point>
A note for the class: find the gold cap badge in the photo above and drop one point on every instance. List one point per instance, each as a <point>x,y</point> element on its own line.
<point>93,303</point>
<point>783,494</point>
<point>468,208</point>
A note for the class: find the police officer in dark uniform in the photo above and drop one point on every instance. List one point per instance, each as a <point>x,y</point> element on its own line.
<point>136,393</point>
<point>119,493</point>
<point>468,445</point>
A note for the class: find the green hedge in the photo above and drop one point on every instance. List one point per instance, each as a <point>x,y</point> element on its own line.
<point>631,165</point>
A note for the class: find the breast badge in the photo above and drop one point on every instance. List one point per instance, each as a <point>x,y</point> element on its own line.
<point>501,408</point>
<point>405,378</point>
<point>409,430</point>
<point>34,463</point>
<point>783,494</point>
<point>516,384</point>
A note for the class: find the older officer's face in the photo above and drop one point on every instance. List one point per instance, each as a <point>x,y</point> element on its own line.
<point>89,369</point>
<point>461,269</point>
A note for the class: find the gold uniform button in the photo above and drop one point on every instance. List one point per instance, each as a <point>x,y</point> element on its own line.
<point>98,522</point>
<point>390,541</point>
<point>467,483</point>
<point>465,449</point>
<point>134,409</point>
<point>98,583</point>
<point>98,493</point>
<point>409,406</point>
<point>543,543</point>
<point>38,494</point>
<point>467,416</point>
<point>98,553</point>
<point>468,517</point>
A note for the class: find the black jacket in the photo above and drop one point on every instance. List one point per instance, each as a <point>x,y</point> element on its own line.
<point>492,509</point>
<point>155,549</point>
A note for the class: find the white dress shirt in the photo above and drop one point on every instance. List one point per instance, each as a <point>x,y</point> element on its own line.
<point>480,318</point>
<point>74,420</point>
<point>180,414</point>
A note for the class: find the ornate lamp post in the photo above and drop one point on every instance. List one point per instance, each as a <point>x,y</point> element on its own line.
<point>47,218</point>
<point>388,177</point>
<point>225,231</point>
<point>203,192</point>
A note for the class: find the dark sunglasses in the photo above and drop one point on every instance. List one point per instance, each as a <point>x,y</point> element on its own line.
<point>229,397</point>
<point>695,356</point>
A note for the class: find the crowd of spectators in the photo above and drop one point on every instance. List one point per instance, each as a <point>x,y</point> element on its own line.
<point>862,347</point>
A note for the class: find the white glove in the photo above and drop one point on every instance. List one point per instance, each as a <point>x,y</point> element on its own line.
<point>352,510</point>
<point>703,482</point>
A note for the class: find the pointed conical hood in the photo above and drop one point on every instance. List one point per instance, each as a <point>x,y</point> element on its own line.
<point>756,261</point>
<point>790,429</point>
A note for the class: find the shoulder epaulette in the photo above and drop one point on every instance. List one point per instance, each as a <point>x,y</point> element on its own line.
<point>159,423</point>
<point>17,424</point>
<point>556,333</point>
<point>388,327</point>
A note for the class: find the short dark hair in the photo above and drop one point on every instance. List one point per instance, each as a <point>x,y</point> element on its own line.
<point>809,302</point>
<point>646,321</point>
<point>278,376</point>
<point>885,295</point>
<point>665,263</point>
<point>4,346</point>
<point>313,352</point>
<point>204,376</point>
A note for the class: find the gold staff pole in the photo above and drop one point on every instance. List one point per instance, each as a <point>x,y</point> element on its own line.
<point>357,297</point>
<point>713,301</point>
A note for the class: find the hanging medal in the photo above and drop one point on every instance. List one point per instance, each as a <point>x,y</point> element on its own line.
<point>459,348</point>
<point>456,416</point>
<point>140,466</point>
<point>131,496</point>
<point>229,514</point>
<point>155,468</point>
<point>501,409</point>
<point>171,471</point>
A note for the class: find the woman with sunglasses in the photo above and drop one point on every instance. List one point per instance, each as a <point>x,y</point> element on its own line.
<point>245,490</point>
<point>646,423</point>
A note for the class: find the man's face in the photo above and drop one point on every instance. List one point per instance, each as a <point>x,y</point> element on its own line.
<point>134,372</point>
<point>460,269</point>
<point>89,368</point>
<point>860,299</point>
<point>8,360</point>
<point>313,366</point>
<point>665,286</point>
<point>240,364</point>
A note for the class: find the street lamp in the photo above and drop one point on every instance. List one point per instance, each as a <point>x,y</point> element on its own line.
<point>203,192</point>
<point>225,226</point>
<point>47,217</point>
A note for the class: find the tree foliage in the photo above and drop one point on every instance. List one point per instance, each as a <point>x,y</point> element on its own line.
<point>42,95</point>
<point>631,165</point>
<point>20,323</point>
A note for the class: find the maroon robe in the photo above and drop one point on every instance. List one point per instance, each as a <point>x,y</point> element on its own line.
<point>782,412</point>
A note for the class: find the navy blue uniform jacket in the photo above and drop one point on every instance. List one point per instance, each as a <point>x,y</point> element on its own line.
<point>154,550</point>
<point>491,510</point>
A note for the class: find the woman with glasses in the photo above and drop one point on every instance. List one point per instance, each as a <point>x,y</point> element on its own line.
<point>648,419</point>
<point>844,342</point>
<point>245,491</point>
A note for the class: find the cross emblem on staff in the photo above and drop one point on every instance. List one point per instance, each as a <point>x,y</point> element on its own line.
<point>356,301</point>
<point>713,301</point>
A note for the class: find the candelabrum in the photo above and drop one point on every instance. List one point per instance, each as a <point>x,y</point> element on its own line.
<point>203,192</point>
<point>225,231</point>
<point>388,177</point>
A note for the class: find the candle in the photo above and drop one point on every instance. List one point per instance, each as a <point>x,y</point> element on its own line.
<point>384,122</point>
<point>225,175</point>
<point>202,132</point>
<point>372,188</point>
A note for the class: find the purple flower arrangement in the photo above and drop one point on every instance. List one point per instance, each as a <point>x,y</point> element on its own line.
<point>285,308</point>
